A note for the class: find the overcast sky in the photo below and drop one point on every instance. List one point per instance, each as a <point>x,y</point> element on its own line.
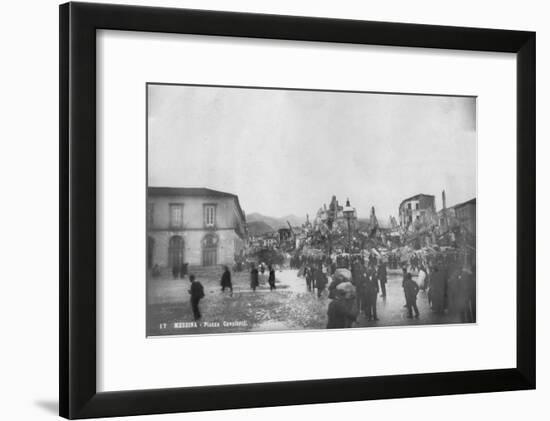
<point>287,152</point>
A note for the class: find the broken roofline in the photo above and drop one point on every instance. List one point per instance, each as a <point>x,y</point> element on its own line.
<point>459,205</point>
<point>415,197</point>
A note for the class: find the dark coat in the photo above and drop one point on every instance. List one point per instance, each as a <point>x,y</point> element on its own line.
<point>438,281</point>
<point>340,314</point>
<point>196,291</point>
<point>411,289</point>
<point>363,277</point>
<point>356,272</point>
<point>382,274</point>
<point>226,279</point>
<point>271,278</point>
<point>254,282</point>
<point>332,287</point>
<point>371,285</point>
<point>308,272</point>
<point>321,280</point>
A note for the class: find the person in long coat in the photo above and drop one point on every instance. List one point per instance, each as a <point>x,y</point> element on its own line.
<point>254,278</point>
<point>308,273</point>
<point>321,280</point>
<point>405,274</point>
<point>459,292</point>
<point>356,269</point>
<point>341,311</point>
<point>437,289</point>
<point>358,279</point>
<point>197,293</point>
<point>371,293</point>
<point>411,290</point>
<point>382,275</point>
<point>226,280</point>
<point>271,279</point>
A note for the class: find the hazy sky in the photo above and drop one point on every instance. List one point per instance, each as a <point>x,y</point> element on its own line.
<point>287,152</point>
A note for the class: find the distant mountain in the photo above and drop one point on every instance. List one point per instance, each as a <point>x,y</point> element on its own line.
<point>275,223</point>
<point>295,221</point>
<point>258,228</point>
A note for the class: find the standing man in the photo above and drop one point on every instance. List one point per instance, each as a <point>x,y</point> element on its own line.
<point>320,280</point>
<point>382,275</point>
<point>372,259</point>
<point>411,290</point>
<point>308,272</point>
<point>371,293</point>
<point>254,278</point>
<point>226,281</point>
<point>360,288</point>
<point>271,278</point>
<point>405,274</point>
<point>197,293</point>
<point>438,289</point>
<point>461,286</point>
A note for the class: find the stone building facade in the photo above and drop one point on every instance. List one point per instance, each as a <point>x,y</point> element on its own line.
<point>418,209</point>
<point>466,215</point>
<point>198,226</point>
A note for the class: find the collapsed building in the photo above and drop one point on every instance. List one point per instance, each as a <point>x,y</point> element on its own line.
<point>417,211</point>
<point>451,229</point>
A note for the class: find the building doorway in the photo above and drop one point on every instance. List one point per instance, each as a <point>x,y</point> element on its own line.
<point>210,250</point>
<point>175,251</point>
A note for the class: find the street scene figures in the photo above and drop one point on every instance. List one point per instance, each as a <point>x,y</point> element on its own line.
<point>274,209</point>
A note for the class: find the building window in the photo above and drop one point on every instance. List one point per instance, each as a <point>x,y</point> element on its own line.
<point>209,215</point>
<point>150,212</point>
<point>176,215</point>
<point>409,205</point>
<point>417,206</point>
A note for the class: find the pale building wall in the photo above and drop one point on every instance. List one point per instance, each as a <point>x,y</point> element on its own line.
<point>193,231</point>
<point>229,243</point>
<point>193,208</point>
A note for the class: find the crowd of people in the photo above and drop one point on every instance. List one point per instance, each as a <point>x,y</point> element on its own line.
<point>355,284</point>
<point>448,282</point>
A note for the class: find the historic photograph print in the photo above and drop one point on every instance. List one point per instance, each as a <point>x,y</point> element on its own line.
<point>285,209</point>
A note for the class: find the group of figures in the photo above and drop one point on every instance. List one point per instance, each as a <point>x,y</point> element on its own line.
<point>351,292</point>
<point>357,294</point>
<point>450,288</point>
<point>196,290</point>
<point>256,270</point>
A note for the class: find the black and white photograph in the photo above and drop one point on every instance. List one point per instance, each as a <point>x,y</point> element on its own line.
<point>286,209</point>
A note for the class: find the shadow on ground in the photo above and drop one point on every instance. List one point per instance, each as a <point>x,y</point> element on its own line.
<point>51,406</point>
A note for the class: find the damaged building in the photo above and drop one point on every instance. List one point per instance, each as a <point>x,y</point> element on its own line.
<point>417,210</point>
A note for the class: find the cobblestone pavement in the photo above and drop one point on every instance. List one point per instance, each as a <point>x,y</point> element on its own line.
<point>290,306</point>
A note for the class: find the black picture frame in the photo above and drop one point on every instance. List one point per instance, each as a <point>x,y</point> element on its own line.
<point>77,340</point>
